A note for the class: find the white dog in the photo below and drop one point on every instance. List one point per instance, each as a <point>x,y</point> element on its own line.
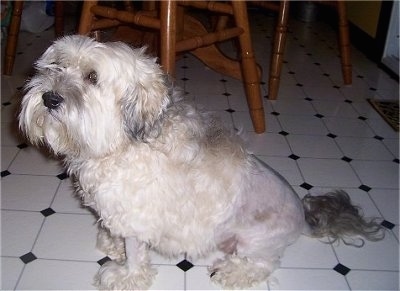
<point>163,175</point>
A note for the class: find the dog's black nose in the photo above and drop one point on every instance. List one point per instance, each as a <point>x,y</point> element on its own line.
<point>52,100</point>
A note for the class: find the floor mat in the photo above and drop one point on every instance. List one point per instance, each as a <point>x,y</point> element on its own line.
<point>389,110</point>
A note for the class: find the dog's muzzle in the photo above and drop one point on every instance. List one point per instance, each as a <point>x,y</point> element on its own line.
<point>52,100</point>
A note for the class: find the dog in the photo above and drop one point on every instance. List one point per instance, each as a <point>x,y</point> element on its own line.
<point>164,175</point>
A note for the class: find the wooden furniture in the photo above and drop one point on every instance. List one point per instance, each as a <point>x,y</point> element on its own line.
<point>181,32</point>
<point>282,7</point>
<point>13,32</point>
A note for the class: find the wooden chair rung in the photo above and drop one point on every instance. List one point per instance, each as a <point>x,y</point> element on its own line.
<point>209,5</point>
<point>210,38</point>
<point>142,19</point>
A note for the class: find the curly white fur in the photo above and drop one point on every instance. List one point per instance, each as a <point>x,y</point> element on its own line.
<point>160,173</point>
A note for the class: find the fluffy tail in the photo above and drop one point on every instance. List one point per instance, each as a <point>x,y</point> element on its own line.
<point>333,215</point>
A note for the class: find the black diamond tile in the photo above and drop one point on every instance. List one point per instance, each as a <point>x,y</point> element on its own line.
<point>348,101</point>
<point>387,224</point>
<point>294,157</point>
<point>346,159</point>
<point>299,85</point>
<point>184,265</point>
<point>396,161</point>
<point>5,173</point>
<point>372,89</point>
<point>306,186</point>
<point>378,137</point>
<point>28,257</point>
<point>227,94</point>
<point>291,73</point>
<point>104,260</point>
<point>317,64</point>
<point>6,103</point>
<point>184,67</point>
<point>308,99</point>
<point>22,146</point>
<point>62,176</point>
<point>275,113</point>
<point>362,118</point>
<point>223,80</point>
<point>185,79</point>
<point>262,83</point>
<point>336,87</point>
<point>331,135</point>
<point>360,76</point>
<point>284,133</point>
<point>365,188</point>
<point>341,269</point>
<point>326,75</point>
<point>47,212</point>
<point>230,110</point>
<point>319,115</point>
<point>309,54</point>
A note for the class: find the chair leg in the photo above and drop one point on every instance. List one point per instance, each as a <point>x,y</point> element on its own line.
<point>251,78</point>
<point>168,14</point>
<point>12,38</point>
<point>59,18</point>
<point>86,19</point>
<point>278,50</point>
<point>344,43</point>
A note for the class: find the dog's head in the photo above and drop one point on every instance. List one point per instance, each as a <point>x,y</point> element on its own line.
<point>90,98</point>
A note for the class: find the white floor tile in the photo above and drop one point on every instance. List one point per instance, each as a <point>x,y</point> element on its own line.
<point>24,192</point>
<point>308,279</point>
<point>309,252</point>
<point>56,275</point>
<point>10,272</point>
<point>363,148</point>
<point>328,173</point>
<point>318,146</point>
<point>348,127</point>
<point>373,280</point>
<point>68,237</point>
<point>387,202</point>
<point>379,174</point>
<point>19,231</point>
<point>302,124</point>
<point>67,201</point>
<point>31,161</point>
<point>267,144</point>
<point>380,255</point>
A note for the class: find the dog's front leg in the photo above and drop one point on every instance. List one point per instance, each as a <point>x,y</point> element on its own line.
<point>135,274</point>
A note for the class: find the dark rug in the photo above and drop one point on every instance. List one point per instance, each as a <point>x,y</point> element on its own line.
<point>389,110</point>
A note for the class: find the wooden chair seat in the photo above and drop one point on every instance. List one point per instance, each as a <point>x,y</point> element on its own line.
<point>180,32</point>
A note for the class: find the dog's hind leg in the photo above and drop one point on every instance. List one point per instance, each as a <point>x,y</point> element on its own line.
<point>135,273</point>
<point>248,261</point>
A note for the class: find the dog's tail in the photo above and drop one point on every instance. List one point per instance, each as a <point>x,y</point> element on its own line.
<point>334,216</point>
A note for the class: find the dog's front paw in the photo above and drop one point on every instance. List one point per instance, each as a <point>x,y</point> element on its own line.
<point>114,276</point>
<point>234,272</point>
<point>114,247</point>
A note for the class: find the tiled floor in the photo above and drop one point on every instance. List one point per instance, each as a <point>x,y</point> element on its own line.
<point>321,135</point>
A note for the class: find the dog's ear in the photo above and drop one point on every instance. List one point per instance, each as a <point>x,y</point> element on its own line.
<point>146,98</point>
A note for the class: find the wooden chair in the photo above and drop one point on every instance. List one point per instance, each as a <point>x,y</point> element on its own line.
<point>180,32</point>
<point>13,32</point>
<point>282,7</point>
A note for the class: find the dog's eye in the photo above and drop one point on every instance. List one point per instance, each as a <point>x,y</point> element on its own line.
<point>92,77</point>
